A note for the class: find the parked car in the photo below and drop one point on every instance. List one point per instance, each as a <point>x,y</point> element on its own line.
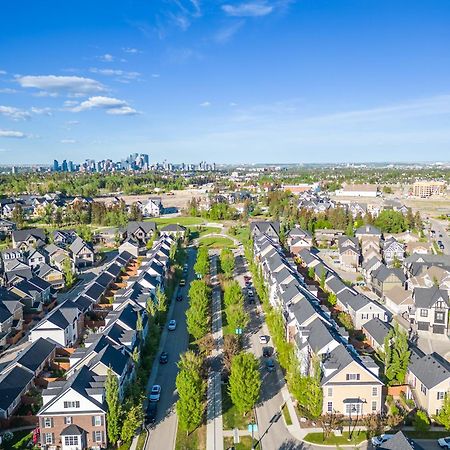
<point>267,351</point>
<point>250,292</point>
<point>378,440</point>
<point>263,339</point>
<point>182,282</point>
<point>172,324</point>
<point>151,413</point>
<point>179,297</point>
<point>155,393</point>
<point>444,442</point>
<point>163,358</point>
<point>270,365</point>
<point>185,269</point>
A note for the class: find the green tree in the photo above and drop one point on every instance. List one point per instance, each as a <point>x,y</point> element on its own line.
<point>133,419</point>
<point>390,221</point>
<point>135,355</point>
<point>332,299</point>
<point>150,307</point>
<point>245,382</point>
<point>237,317</point>
<point>443,417</point>
<point>17,215</point>
<point>197,316</point>
<point>227,262</point>
<point>139,324</point>
<point>173,250</point>
<point>69,276</point>
<point>191,392</point>
<point>396,355</point>
<point>201,265</point>
<point>323,277</point>
<point>311,272</point>
<point>114,407</point>
<point>161,300</point>
<point>421,422</point>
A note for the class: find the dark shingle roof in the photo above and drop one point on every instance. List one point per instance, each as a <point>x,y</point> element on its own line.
<point>12,385</point>
<point>427,297</point>
<point>377,329</point>
<point>400,442</point>
<point>431,369</point>
<point>36,354</point>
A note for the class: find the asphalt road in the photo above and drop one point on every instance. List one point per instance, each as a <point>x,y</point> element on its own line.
<point>275,435</point>
<point>163,434</point>
<point>439,227</point>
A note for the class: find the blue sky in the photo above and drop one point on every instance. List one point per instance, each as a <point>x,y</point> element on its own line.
<point>225,80</point>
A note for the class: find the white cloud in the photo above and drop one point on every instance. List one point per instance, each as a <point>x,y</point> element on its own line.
<point>41,111</point>
<point>14,113</point>
<point>3,72</point>
<point>223,35</point>
<point>2,150</point>
<point>107,57</point>
<point>233,104</point>
<point>131,50</point>
<point>205,104</point>
<point>155,75</point>
<point>72,122</point>
<point>111,105</point>
<point>8,91</point>
<point>12,134</point>
<point>68,141</point>
<point>53,85</point>
<point>249,9</point>
<point>122,75</point>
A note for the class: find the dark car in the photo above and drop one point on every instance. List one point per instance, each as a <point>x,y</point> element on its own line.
<point>150,414</point>
<point>270,365</point>
<point>163,358</point>
<point>267,352</point>
<point>179,297</point>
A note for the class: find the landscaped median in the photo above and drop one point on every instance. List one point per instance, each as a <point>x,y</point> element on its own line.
<point>318,438</point>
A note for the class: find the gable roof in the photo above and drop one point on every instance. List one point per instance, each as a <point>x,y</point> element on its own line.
<point>12,384</point>
<point>36,354</point>
<point>147,227</point>
<point>368,229</point>
<point>377,329</point>
<point>431,369</point>
<point>174,227</point>
<point>427,297</point>
<point>400,442</point>
<point>23,235</point>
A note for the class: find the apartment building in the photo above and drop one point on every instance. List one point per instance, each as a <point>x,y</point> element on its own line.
<point>424,188</point>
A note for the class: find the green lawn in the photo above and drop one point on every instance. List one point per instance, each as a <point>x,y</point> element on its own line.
<point>194,441</point>
<point>286,415</point>
<point>141,441</point>
<point>201,231</point>
<point>244,444</point>
<point>216,242</point>
<point>231,417</point>
<point>317,438</point>
<point>181,220</point>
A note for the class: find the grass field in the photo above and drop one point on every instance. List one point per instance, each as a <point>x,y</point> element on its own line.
<point>194,441</point>
<point>181,220</point>
<point>244,444</point>
<point>317,438</point>
<point>232,418</point>
<point>216,242</point>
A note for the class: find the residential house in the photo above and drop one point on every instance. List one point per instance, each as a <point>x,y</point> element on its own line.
<point>61,325</point>
<point>327,236</point>
<point>173,229</point>
<point>349,252</point>
<point>153,207</point>
<point>37,257</point>
<point>399,301</point>
<point>269,228</point>
<point>375,331</point>
<point>130,245</point>
<point>82,253</point>
<point>11,315</point>
<point>298,239</point>
<point>383,279</point>
<point>431,309</point>
<point>393,252</point>
<point>63,237</point>
<point>421,248</point>
<point>141,232</point>
<point>52,275</point>
<point>429,380</point>
<point>368,231</point>
<point>28,239</point>
<point>6,228</point>
<point>73,415</point>
<point>33,293</point>
<point>400,442</point>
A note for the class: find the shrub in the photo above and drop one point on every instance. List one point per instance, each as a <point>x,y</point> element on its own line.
<point>421,422</point>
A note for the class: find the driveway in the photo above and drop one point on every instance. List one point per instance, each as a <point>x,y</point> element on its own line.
<point>164,432</point>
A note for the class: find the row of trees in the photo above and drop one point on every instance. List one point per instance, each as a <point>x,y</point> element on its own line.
<point>227,262</point>
<point>237,317</point>
<point>201,266</point>
<point>198,314</point>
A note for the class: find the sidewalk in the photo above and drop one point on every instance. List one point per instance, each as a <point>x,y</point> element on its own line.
<point>214,425</point>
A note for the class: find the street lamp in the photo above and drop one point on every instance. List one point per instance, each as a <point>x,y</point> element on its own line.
<point>351,409</point>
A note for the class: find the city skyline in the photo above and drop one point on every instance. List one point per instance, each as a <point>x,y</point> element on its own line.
<point>275,81</point>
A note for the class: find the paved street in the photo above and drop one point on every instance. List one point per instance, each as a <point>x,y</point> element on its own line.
<point>164,432</point>
<point>440,227</point>
<point>276,435</point>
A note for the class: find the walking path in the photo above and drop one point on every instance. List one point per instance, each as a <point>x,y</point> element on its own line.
<point>214,425</point>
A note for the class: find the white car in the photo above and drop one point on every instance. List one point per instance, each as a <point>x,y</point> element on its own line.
<point>378,440</point>
<point>444,442</point>
<point>263,339</point>
<point>155,393</point>
<point>172,325</point>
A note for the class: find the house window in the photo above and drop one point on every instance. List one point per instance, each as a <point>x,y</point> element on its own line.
<point>97,436</point>
<point>70,440</point>
<point>353,408</point>
<point>47,422</point>
<point>67,420</point>
<point>352,376</point>
<point>424,313</point>
<point>440,304</point>
<point>330,392</point>
<point>423,389</point>
<point>440,395</point>
<point>330,407</point>
<point>374,391</point>
<point>374,405</point>
<point>72,404</point>
<point>49,438</point>
<point>439,316</point>
<point>97,421</point>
